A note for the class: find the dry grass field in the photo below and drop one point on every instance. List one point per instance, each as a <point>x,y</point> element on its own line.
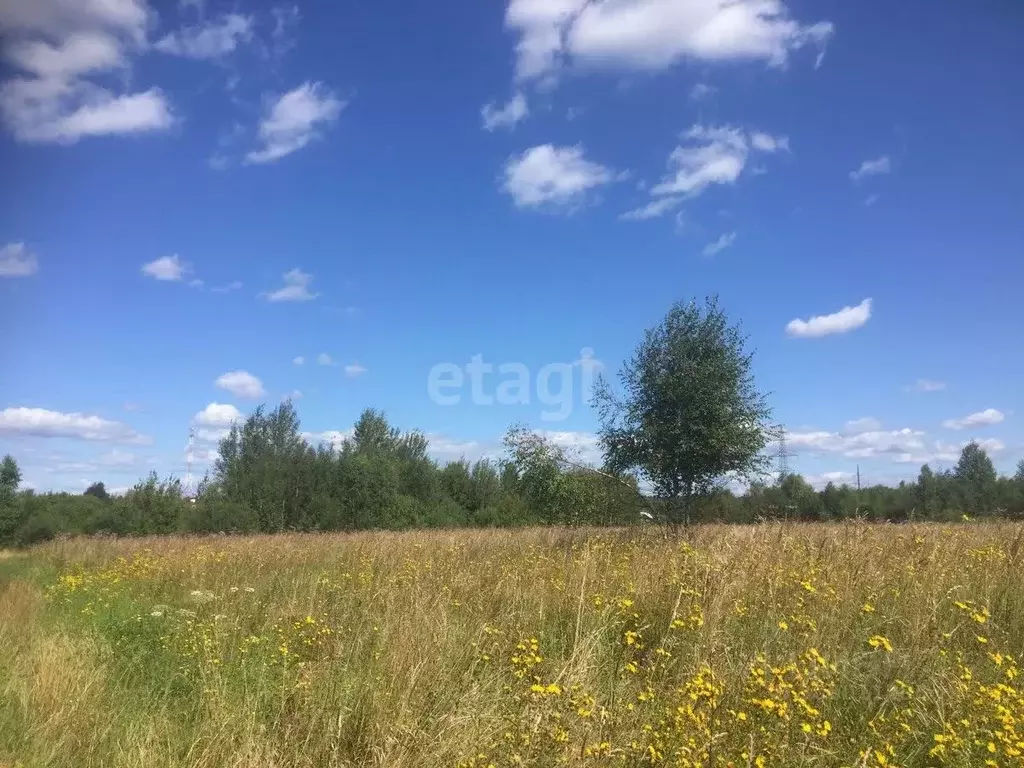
<point>800,645</point>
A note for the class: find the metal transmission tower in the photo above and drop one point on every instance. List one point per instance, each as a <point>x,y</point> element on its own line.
<point>782,457</point>
<point>188,491</point>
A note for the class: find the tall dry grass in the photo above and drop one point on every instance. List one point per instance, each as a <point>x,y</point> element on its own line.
<point>844,645</point>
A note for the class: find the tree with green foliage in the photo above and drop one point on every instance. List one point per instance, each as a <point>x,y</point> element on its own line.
<point>11,513</point>
<point>559,487</point>
<point>925,493</point>
<point>689,413</point>
<point>266,465</point>
<point>976,479</point>
<point>799,501</point>
<point>10,476</point>
<point>159,504</point>
<point>98,490</point>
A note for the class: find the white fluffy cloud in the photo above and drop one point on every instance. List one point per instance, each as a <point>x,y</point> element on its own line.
<point>293,121</point>
<point>218,415</point>
<point>215,420</point>
<point>170,268</point>
<point>506,116</point>
<point>40,422</point>
<point>846,319</point>
<point>210,40</point>
<point>858,444</point>
<point>980,419</point>
<point>300,360</point>
<point>324,359</point>
<point>17,261</point>
<point>654,34</point>
<point>295,288</point>
<point>874,167</point>
<point>547,175</point>
<point>58,46</point>
<point>78,54</point>
<point>719,245</point>
<point>43,111</point>
<point>241,384</point>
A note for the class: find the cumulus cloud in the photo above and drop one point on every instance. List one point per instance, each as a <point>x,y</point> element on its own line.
<point>170,268</point>
<point>505,116</point>
<point>868,168</point>
<point>846,319</point>
<point>300,360</point>
<point>295,288</point>
<point>40,422</point>
<point>719,245</point>
<point>294,120</point>
<point>210,40</point>
<point>53,111</point>
<point>218,415</point>
<point>858,443</point>
<point>59,49</point>
<point>654,34</point>
<point>215,420</point>
<point>980,419</point>
<point>17,261</point>
<point>547,175</point>
<point>241,384</point>
<point>324,359</point>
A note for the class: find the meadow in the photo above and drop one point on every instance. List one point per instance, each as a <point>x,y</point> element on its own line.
<point>770,645</point>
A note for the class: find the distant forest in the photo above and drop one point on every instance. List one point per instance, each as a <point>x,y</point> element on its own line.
<point>268,479</point>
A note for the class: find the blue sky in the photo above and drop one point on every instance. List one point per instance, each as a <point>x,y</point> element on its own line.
<point>199,193</point>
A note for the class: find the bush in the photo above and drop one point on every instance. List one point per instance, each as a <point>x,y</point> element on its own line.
<point>216,515</point>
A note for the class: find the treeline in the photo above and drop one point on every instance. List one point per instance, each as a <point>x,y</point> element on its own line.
<point>269,479</point>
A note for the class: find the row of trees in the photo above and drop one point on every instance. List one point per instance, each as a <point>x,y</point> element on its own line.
<point>269,479</point>
<point>686,415</point>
